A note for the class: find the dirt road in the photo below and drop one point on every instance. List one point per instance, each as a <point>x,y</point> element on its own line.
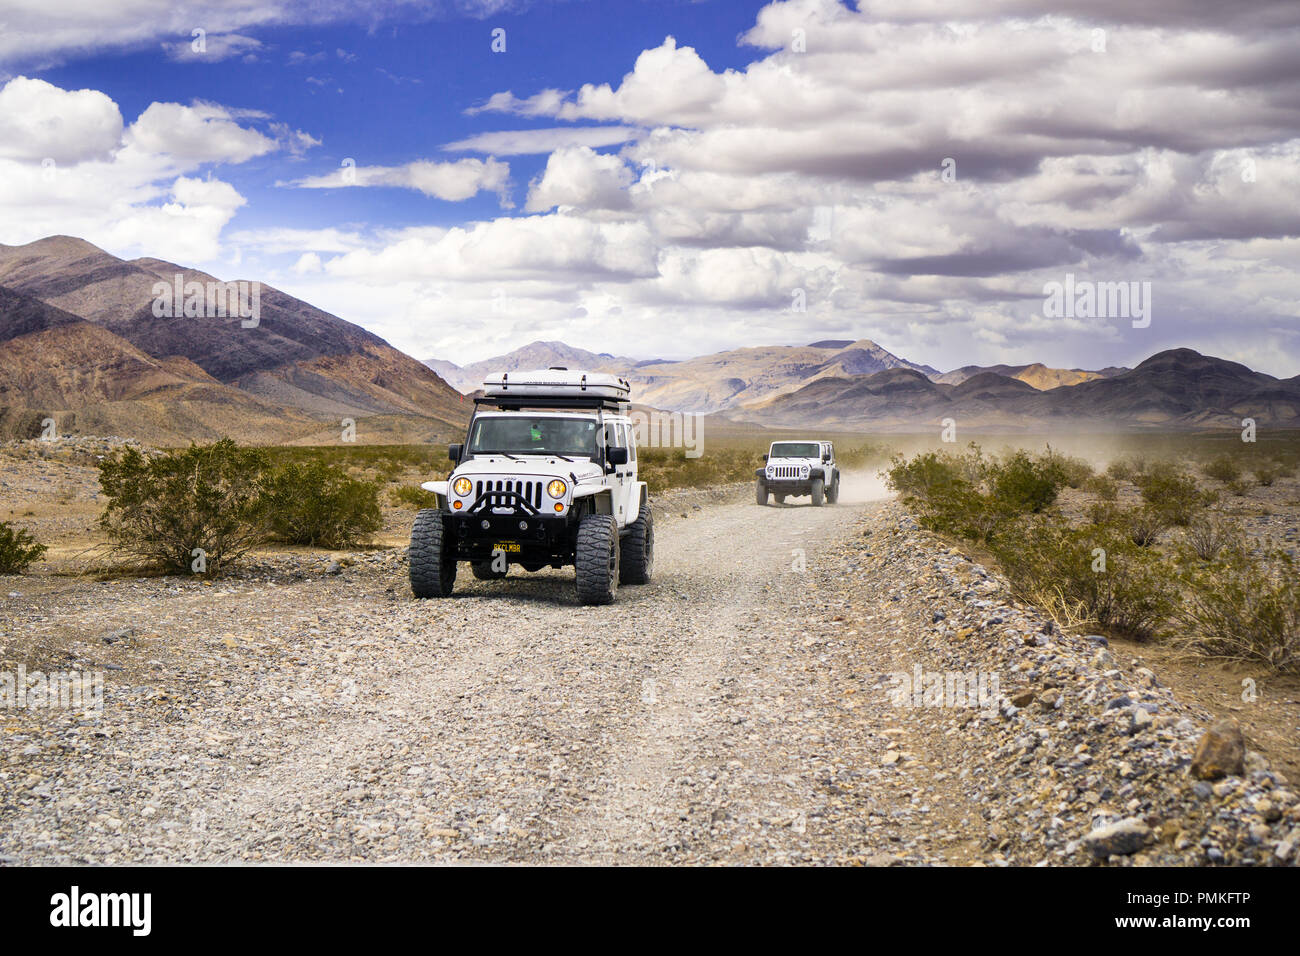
<point>736,710</point>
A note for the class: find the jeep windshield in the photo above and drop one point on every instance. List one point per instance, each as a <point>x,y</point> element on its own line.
<point>795,449</point>
<point>529,435</point>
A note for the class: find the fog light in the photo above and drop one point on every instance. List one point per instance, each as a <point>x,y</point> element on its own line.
<point>523,526</point>
<point>455,505</point>
<point>559,506</point>
<point>485,524</point>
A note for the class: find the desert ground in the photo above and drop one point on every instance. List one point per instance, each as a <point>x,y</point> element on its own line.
<point>742,708</point>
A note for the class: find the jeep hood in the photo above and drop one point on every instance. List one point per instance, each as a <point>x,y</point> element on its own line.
<point>540,466</point>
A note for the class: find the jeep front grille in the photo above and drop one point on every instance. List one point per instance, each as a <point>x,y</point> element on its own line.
<point>501,493</point>
<point>785,471</point>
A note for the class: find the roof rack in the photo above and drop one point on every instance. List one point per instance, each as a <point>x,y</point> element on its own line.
<point>516,402</point>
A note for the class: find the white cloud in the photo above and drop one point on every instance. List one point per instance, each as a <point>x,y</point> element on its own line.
<point>213,49</point>
<point>523,141</point>
<point>39,121</point>
<point>453,181</point>
<point>579,176</point>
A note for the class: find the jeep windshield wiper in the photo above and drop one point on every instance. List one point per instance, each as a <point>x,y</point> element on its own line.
<point>506,453</point>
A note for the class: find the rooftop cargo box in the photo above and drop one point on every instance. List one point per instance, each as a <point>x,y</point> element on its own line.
<point>558,383</point>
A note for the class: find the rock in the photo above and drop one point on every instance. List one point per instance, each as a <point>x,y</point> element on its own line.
<point>1023,699</point>
<point>1122,838</point>
<point>1220,753</point>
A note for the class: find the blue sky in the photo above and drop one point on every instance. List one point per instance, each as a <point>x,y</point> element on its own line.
<point>392,93</point>
<point>670,179</point>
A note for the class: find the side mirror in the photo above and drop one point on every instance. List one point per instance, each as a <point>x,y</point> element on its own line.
<point>453,452</point>
<point>765,458</point>
<point>616,456</point>
<point>826,457</point>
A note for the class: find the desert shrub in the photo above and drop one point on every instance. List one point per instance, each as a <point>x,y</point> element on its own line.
<point>1243,608</point>
<point>412,496</point>
<point>923,477</point>
<point>18,549</point>
<point>1120,470</point>
<point>1024,484</point>
<point>1092,575</point>
<point>163,507</point>
<point>1224,468</point>
<point>1102,512</point>
<point>1144,526</point>
<point>1074,472</point>
<point>320,505</point>
<point>1266,475</point>
<point>1103,486</point>
<point>1172,493</point>
<point>1238,487</point>
<point>1208,536</point>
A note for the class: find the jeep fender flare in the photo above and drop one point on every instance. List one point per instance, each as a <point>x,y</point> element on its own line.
<point>439,489</point>
<point>603,503</point>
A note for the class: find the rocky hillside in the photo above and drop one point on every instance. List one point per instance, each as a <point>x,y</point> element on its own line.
<point>1179,388</point>
<point>709,383</point>
<point>296,366</point>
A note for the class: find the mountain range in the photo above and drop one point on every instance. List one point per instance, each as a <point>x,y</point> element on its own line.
<point>80,342</point>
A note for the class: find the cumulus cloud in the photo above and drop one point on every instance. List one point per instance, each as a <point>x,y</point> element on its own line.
<point>68,164</point>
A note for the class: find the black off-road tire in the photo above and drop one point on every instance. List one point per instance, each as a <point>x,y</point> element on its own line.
<point>818,492</point>
<point>637,549</point>
<point>760,492</point>
<point>833,492</point>
<point>432,557</point>
<point>596,560</point>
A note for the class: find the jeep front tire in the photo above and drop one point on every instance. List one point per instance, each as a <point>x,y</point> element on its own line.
<point>818,487</point>
<point>596,559</point>
<point>760,492</point>
<point>432,556</point>
<point>637,549</point>
<point>833,492</point>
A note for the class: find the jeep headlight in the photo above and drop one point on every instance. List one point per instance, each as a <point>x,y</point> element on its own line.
<point>804,471</point>
<point>462,486</point>
<point>557,488</point>
<point>770,470</point>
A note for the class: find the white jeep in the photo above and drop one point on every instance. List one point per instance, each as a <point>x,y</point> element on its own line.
<point>796,468</point>
<point>547,476</point>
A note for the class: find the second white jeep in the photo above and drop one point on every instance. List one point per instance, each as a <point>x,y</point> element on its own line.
<point>796,468</point>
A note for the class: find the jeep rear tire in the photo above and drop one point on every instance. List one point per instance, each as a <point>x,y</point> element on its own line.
<point>637,549</point>
<point>760,492</point>
<point>817,492</point>
<point>596,559</point>
<point>432,557</point>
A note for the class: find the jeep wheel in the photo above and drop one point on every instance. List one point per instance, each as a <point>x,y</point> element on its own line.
<point>432,557</point>
<point>637,549</point>
<point>817,489</point>
<point>833,492</point>
<point>760,489</point>
<point>483,571</point>
<point>596,560</point>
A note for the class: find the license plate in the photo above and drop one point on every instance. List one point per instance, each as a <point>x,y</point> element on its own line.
<point>507,546</point>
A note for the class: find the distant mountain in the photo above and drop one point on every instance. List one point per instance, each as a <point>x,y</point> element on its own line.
<point>1179,388</point>
<point>709,383</point>
<point>1038,375</point>
<point>534,355</point>
<point>301,364</point>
